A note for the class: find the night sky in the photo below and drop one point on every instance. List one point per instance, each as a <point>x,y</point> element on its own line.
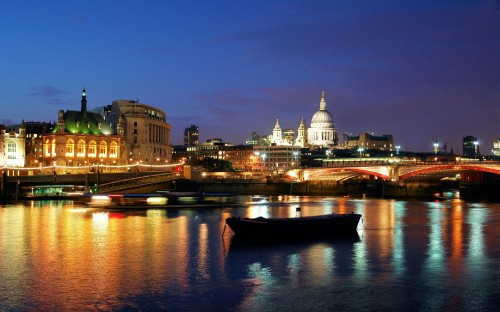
<point>415,69</point>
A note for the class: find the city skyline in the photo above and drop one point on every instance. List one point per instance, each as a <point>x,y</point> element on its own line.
<point>416,69</point>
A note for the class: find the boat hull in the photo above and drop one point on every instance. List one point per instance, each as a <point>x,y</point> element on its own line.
<point>334,223</point>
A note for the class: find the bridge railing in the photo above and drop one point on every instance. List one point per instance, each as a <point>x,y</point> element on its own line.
<point>359,162</point>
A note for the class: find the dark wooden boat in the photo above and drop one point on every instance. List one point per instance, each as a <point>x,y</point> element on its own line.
<point>324,224</point>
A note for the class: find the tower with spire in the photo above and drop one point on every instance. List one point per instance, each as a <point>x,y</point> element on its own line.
<point>301,134</point>
<point>84,103</point>
<point>277,134</point>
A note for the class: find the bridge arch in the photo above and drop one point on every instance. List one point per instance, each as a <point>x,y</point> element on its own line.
<point>495,169</point>
<point>313,174</point>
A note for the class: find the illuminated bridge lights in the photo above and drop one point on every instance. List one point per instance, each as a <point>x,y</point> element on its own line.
<point>399,172</point>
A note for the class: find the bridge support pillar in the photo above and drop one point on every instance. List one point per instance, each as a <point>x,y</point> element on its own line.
<point>394,173</point>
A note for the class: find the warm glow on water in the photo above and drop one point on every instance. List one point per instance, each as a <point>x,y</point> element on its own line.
<point>408,255</point>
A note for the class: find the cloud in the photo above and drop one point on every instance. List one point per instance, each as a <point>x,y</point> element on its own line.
<point>47,94</point>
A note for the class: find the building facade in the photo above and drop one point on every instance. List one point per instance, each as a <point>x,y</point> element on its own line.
<point>83,141</point>
<point>191,135</point>
<point>470,147</point>
<point>364,142</point>
<point>240,156</point>
<point>34,141</point>
<point>275,158</point>
<point>12,148</point>
<point>146,131</point>
<point>496,147</point>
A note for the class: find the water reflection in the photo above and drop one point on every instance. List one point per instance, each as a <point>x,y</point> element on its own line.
<point>428,255</point>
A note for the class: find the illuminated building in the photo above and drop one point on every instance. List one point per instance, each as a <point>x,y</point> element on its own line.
<point>240,156</point>
<point>146,131</point>
<point>275,157</point>
<point>277,137</point>
<point>322,132</point>
<point>12,147</point>
<point>257,139</point>
<point>470,147</point>
<point>366,142</point>
<point>83,140</point>
<point>496,147</point>
<point>301,134</point>
<point>34,141</point>
<point>191,135</point>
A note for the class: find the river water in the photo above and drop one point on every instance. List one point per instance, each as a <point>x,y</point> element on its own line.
<point>408,255</point>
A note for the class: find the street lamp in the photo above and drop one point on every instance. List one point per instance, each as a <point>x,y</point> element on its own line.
<point>436,147</point>
<point>295,154</point>
<point>264,160</point>
<point>397,149</point>
<point>476,143</point>
<point>360,151</point>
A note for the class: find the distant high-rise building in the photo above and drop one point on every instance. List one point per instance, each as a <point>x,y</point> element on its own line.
<point>257,139</point>
<point>470,147</point>
<point>191,135</point>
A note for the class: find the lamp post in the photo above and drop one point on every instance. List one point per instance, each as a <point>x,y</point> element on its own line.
<point>360,151</point>
<point>436,147</point>
<point>397,149</point>
<point>476,143</point>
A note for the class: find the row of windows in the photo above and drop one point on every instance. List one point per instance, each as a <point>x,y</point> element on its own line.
<point>83,150</point>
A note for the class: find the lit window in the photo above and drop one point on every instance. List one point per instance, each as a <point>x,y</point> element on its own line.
<point>53,147</point>
<point>113,150</point>
<point>81,149</point>
<point>70,148</point>
<point>46,147</point>
<point>103,150</point>
<point>92,149</point>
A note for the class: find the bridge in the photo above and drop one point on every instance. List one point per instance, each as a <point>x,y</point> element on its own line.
<point>137,182</point>
<point>96,182</point>
<point>394,169</point>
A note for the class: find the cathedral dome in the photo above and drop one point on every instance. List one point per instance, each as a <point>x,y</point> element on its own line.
<point>323,117</point>
<point>322,131</point>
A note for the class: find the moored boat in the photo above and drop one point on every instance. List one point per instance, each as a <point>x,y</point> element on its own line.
<point>324,224</point>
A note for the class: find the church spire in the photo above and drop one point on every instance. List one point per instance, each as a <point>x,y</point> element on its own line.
<point>302,124</point>
<point>84,102</point>
<point>277,125</point>
<point>322,102</point>
<point>277,137</point>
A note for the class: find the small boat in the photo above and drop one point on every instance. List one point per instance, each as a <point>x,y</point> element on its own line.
<point>324,224</point>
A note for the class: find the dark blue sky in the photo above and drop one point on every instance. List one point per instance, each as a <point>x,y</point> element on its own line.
<point>415,69</point>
